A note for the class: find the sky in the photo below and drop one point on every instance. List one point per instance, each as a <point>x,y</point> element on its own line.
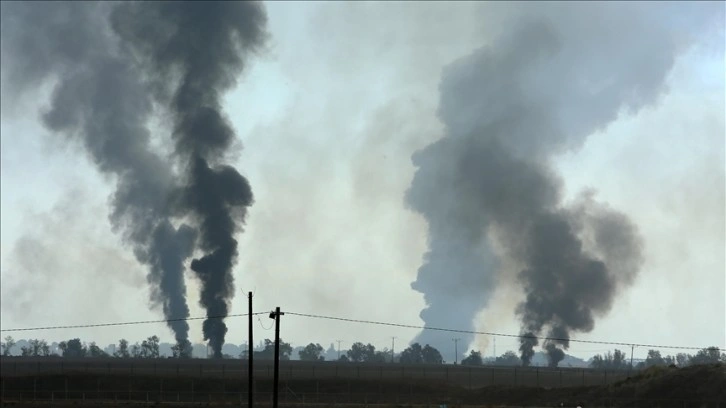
<point>329,115</point>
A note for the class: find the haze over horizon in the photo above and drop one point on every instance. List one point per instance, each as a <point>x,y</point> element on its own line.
<point>327,116</point>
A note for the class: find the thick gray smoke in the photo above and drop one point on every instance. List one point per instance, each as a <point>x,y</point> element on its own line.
<point>192,52</point>
<point>100,98</point>
<point>555,76</point>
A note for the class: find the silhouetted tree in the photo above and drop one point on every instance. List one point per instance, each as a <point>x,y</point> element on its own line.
<point>136,350</point>
<point>683,359</point>
<point>122,351</point>
<point>412,354</point>
<point>268,353</point>
<point>474,358</point>
<point>616,360</point>
<point>150,347</point>
<point>654,359</point>
<point>311,352</point>
<point>381,356</point>
<point>708,355</point>
<point>361,353</point>
<point>95,351</point>
<point>8,345</point>
<point>182,350</point>
<point>73,348</point>
<point>35,348</point>
<point>507,359</point>
<point>431,355</point>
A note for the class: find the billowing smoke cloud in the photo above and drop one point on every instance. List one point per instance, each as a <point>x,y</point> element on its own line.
<point>100,98</point>
<point>192,52</point>
<point>550,80</point>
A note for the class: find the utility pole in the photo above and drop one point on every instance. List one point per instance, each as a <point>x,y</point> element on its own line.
<point>276,315</point>
<point>339,341</point>
<point>250,370</point>
<point>632,347</point>
<point>456,350</point>
<point>393,345</point>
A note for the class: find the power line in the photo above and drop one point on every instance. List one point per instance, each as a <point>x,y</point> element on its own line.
<point>343,319</point>
<point>409,326</point>
<point>79,326</point>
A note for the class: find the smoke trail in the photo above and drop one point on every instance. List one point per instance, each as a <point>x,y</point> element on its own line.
<point>557,74</point>
<point>192,52</point>
<point>99,100</point>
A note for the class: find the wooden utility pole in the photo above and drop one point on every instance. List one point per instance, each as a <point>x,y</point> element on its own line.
<point>250,353</point>
<point>276,315</point>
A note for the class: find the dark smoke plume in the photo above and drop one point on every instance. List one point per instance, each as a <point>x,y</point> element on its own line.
<point>540,89</point>
<point>102,99</point>
<point>99,100</point>
<point>190,53</point>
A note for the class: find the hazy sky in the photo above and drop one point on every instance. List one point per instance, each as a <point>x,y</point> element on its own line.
<point>329,116</point>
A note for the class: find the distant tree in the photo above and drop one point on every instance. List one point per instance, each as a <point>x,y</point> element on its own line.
<point>95,351</point>
<point>507,359</point>
<point>344,358</point>
<point>268,353</point>
<point>683,359</point>
<point>150,347</point>
<point>184,350</point>
<point>136,351</point>
<point>474,358</point>
<point>381,356</point>
<point>8,345</point>
<point>361,353</point>
<point>311,352</point>
<point>122,351</point>
<point>597,361</point>
<point>654,359</point>
<point>710,355</point>
<point>412,354</point>
<point>431,355</point>
<point>616,360</point>
<point>620,360</point>
<point>35,348</point>
<point>73,348</point>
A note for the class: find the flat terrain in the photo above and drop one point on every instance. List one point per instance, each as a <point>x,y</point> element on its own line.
<point>691,387</point>
<point>463,376</point>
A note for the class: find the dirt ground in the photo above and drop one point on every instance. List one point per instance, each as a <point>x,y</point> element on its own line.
<point>658,387</point>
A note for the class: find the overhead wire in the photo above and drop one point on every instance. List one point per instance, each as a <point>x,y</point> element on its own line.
<point>410,326</point>
<point>373,322</point>
<point>81,326</point>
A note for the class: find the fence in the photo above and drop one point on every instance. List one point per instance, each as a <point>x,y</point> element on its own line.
<point>462,376</point>
<point>289,398</point>
<point>89,382</point>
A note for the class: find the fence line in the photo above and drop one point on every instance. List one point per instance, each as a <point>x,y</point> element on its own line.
<point>288,396</point>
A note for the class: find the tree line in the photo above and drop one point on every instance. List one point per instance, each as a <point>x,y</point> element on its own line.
<point>358,353</point>
<point>619,360</point>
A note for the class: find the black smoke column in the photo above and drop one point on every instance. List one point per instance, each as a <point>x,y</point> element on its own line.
<point>556,74</point>
<point>191,52</point>
<point>100,102</point>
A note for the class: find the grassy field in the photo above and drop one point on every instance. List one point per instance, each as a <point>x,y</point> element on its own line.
<point>691,387</point>
<point>463,376</point>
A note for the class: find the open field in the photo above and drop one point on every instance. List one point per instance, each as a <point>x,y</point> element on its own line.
<point>223,383</point>
<point>462,376</point>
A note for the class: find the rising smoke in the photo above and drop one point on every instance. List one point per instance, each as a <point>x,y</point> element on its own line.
<point>556,75</point>
<point>105,99</point>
